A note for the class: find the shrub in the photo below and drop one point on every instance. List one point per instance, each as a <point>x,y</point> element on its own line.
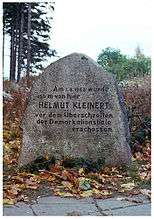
<point>137,96</point>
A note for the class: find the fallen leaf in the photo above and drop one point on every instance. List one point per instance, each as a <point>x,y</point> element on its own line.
<point>67,184</point>
<point>67,176</point>
<point>119,176</point>
<point>8,201</point>
<point>106,192</point>
<point>56,168</point>
<point>128,186</point>
<point>31,187</point>
<point>84,184</point>
<point>81,171</point>
<point>46,156</point>
<point>86,193</point>
<point>96,191</point>
<point>51,178</point>
<point>64,194</point>
<point>146,192</point>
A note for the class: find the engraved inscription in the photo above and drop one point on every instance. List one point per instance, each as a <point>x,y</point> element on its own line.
<point>78,115</point>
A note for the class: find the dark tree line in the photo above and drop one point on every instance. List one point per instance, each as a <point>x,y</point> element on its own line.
<point>28,26</point>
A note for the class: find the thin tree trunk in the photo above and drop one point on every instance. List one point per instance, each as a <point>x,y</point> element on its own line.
<point>12,53</point>
<point>3,43</point>
<point>3,51</point>
<point>20,44</point>
<point>29,43</point>
<point>15,44</point>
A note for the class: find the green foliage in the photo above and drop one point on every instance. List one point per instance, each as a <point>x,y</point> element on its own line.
<point>140,135</point>
<point>39,164</point>
<point>88,165</point>
<point>112,60</point>
<point>13,135</point>
<point>40,30</point>
<point>133,173</point>
<point>42,163</point>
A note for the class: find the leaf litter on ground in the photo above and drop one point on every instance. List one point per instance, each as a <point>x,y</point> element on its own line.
<point>68,182</point>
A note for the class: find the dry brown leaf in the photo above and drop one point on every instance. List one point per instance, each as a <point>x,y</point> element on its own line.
<point>146,192</point>
<point>81,171</point>
<point>86,193</point>
<point>67,184</point>
<point>7,201</point>
<point>64,194</point>
<point>128,186</point>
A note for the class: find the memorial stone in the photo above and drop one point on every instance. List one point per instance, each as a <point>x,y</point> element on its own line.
<point>76,110</point>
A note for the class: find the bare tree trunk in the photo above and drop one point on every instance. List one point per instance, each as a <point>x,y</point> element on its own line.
<point>3,52</point>
<point>29,42</point>
<point>3,43</point>
<point>12,52</point>
<point>20,44</point>
<point>15,53</point>
<point>14,42</point>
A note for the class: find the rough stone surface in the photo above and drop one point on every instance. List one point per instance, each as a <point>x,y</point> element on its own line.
<point>17,211</point>
<point>145,210</point>
<point>114,203</point>
<point>75,109</point>
<point>58,200</point>
<point>87,206</point>
<point>65,209</point>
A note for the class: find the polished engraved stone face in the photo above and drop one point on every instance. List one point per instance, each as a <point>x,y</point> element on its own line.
<point>75,109</point>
